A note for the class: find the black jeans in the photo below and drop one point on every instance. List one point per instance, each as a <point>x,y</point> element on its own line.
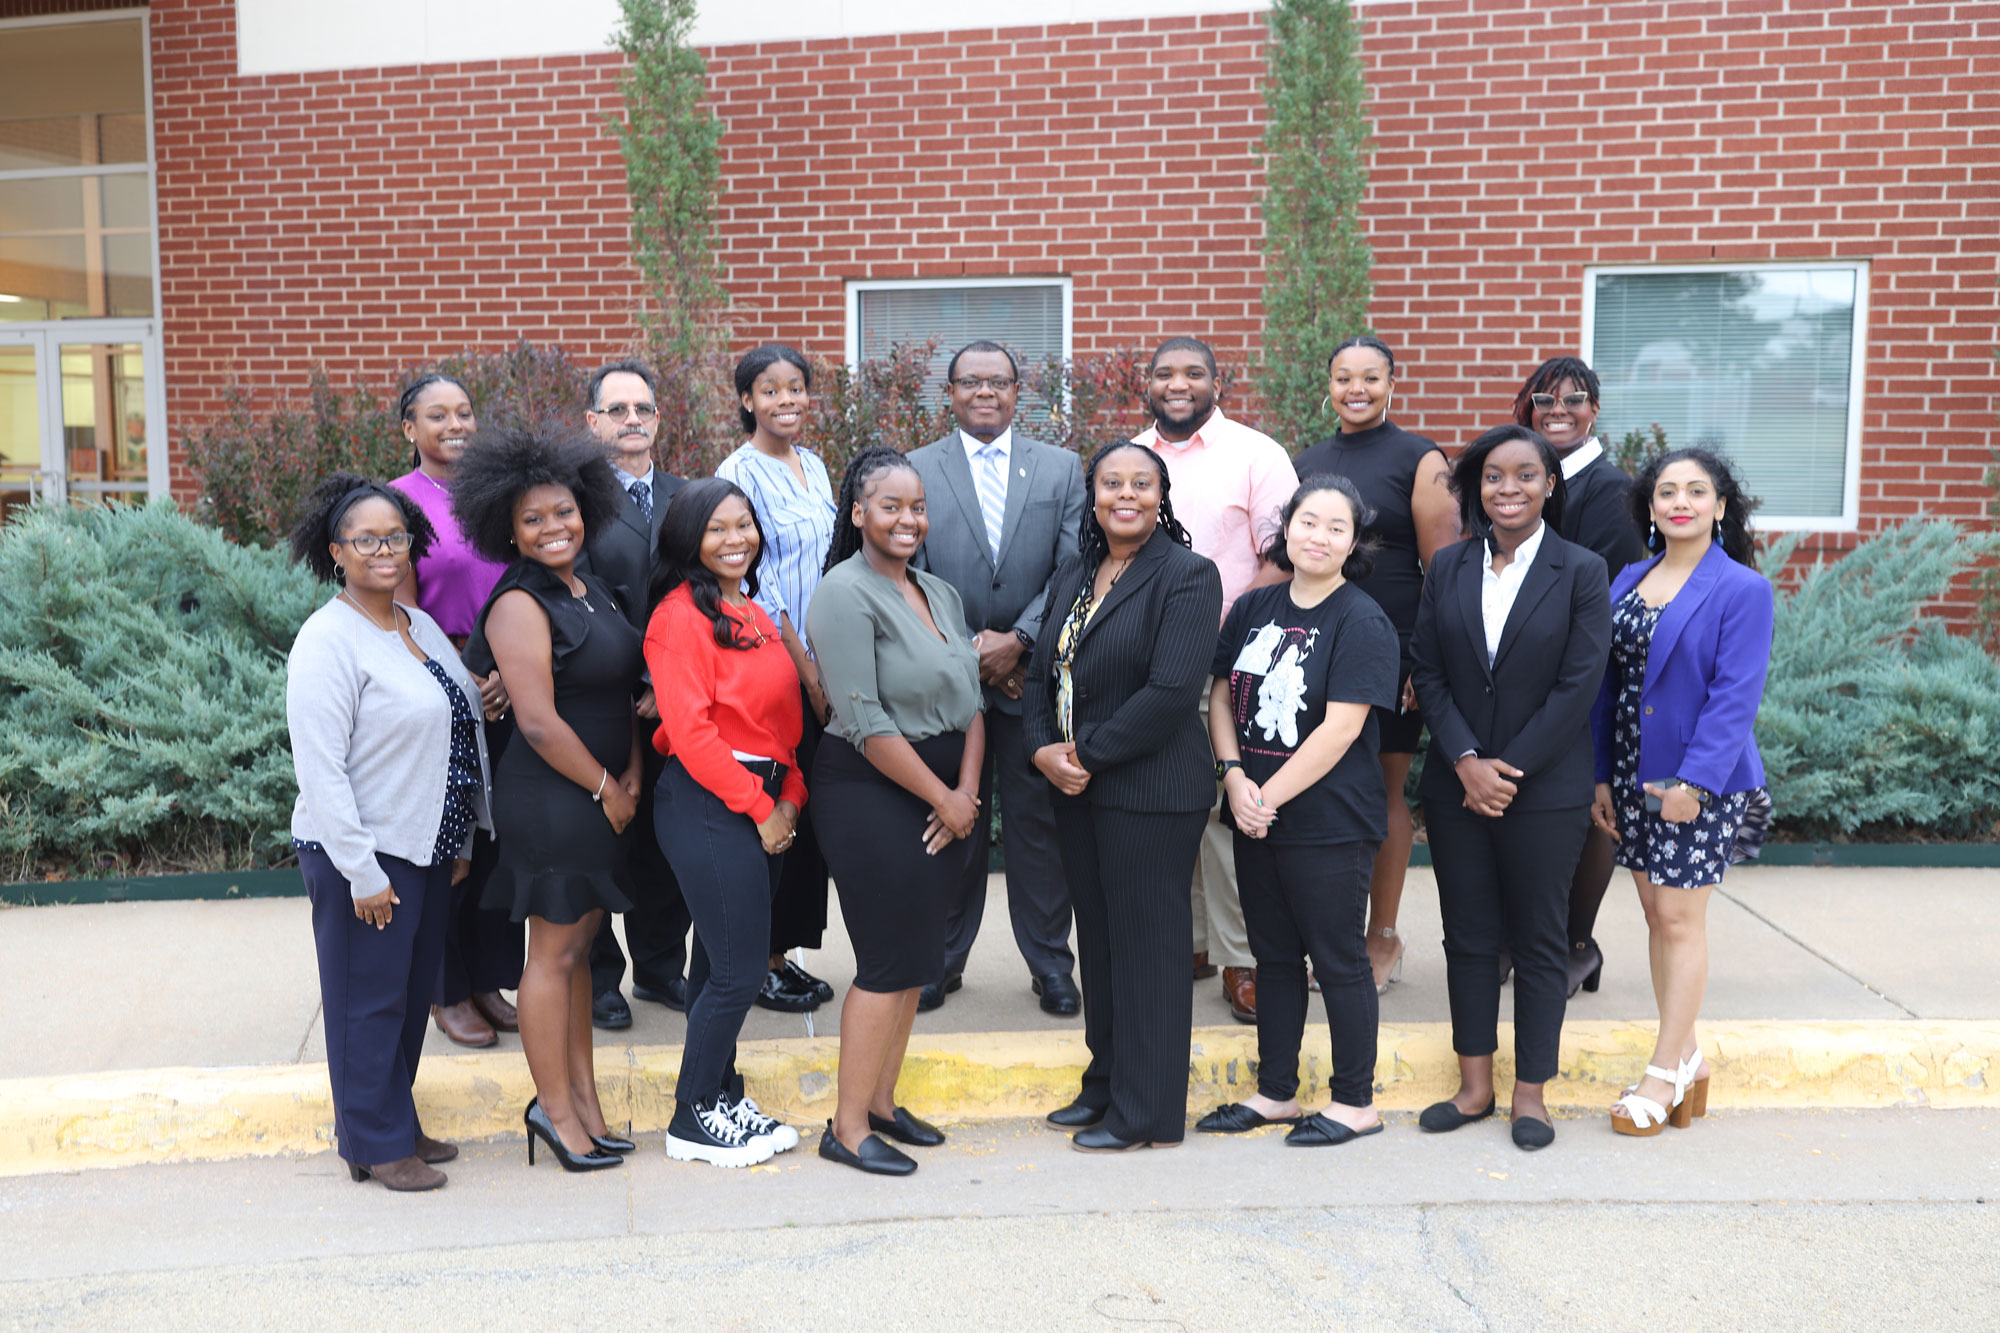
<point>1310,902</point>
<point>727,881</point>
<point>1504,883</point>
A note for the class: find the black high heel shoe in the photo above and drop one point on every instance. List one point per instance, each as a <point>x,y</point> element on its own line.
<point>1586,967</point>
<point>612,1143</point>
<point>540,1126</point>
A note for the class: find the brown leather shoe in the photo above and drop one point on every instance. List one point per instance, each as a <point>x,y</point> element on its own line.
<point>404,1175</point>
<point>431,1151</point>
<point>493,1007</point>
<point>463,1024</point>
<point>1240,985</point>
<point>1203,969</point>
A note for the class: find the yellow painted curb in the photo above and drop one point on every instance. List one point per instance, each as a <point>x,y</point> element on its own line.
<point>177,1115</point>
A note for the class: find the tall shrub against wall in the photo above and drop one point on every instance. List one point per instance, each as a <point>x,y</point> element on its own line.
<point>1316,255</point>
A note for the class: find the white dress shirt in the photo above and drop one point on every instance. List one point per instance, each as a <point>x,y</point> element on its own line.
<point>1581,457</point>
<point>1498,591</point>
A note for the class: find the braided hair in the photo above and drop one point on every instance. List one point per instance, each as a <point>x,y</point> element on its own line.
<point>406,406</point>
<point>1732,530</point>
<point>326,514</point>
<point>869,464</point>
<point>1092,544</point>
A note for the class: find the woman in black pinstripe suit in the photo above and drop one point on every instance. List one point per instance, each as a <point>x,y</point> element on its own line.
<point>1110,711</point>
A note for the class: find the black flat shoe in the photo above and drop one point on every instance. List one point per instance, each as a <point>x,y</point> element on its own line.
<point>1076,1116</point>
<point>1236,1118</point>
<point>1318,1131</point>
<point>612,1143</point>
<point>1444,1117</point>
<point>610,1012</point>
<point>674,994</point>
<point>778,993</point>
<point>932,996</point>
<point>1531,1134</point>
<point>875,1157</point>
<point>906,1128</point>
<point>1059,994</point>
<point>1100,1139</point>
<point>800,979</point>
<point>1586,967</point>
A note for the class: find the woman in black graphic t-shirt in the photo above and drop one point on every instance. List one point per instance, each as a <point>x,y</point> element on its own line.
<point>1299,669</point>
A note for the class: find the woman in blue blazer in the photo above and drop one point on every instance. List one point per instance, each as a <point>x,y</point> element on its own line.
<point>1679,779</point>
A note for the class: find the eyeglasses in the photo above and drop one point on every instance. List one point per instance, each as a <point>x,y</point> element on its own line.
<point>1546,401</point>
<point>370,544</point>
<point>640,411</point>
<point>973,383</point>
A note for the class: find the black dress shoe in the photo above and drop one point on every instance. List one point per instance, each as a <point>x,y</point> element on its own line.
<point>906,1128</point>
<point>875,1157</point>
<point>610,1012</point>
<point>612,1143</point>
<point>932,996</point>
<point>1236,1118</point>
<point>1076,1116</point>
<point>779,994</point>
<point>1099,1139</point>
<point>1059,994</point>
<point>1318,1131</point>
<point>800,979</point>
<point>674,994</point>
<point>1531,1134</point>
<point>1444,1117</point>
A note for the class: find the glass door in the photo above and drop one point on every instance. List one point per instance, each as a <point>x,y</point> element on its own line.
<point>22,475</point>
<point>76,403</point>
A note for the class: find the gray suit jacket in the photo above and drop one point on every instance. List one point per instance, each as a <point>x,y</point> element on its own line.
<point>1044,516</point>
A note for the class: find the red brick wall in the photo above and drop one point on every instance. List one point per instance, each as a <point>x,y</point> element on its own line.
<point>368,218</point>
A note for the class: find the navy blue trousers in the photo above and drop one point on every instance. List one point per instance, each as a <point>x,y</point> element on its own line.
<point>728,882</point>
<point>375,994</point>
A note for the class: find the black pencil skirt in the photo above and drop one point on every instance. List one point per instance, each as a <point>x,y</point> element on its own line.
<point>893,894</point>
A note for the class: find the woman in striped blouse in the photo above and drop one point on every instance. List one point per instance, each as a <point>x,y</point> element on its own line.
<point>789,488</point>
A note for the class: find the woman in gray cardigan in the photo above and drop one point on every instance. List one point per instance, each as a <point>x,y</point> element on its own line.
<point>392,775</point>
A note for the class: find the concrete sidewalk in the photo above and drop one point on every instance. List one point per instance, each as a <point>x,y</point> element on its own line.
<point>155,1031</point>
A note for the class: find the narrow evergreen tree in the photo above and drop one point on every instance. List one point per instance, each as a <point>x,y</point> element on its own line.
<point>1316,255</point>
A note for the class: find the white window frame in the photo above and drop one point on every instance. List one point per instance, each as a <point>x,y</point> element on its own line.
<point>1849,519</point>
<point>149,331</point>
<point>856,286</point>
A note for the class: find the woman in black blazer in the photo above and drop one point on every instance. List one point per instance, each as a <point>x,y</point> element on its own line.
<point>1110,712</point>
<point>1511,641</point>
<point>1560,402</point>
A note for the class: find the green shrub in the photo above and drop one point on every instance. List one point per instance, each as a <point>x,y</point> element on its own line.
<point>1875,719</point>
<point>142,693</point>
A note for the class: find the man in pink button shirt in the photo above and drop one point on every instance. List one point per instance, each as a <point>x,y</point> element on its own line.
<point>1229,484</point>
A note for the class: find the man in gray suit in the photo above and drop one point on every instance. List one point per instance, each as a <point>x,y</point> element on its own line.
<point>1005,511</point>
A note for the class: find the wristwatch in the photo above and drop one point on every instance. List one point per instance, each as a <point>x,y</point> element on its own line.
<point>1222,767</point>
<point>1027,639</point>
<point>1702,795</point>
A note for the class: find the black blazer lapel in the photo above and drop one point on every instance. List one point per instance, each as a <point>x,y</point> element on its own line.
<point>1542,575</point>
<point>1471,606</point>
<point>1144,565</point>
<point>1021,466</point>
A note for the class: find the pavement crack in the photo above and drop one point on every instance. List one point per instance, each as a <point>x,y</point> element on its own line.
<point>305,1039</point>
<point>1429,1237</point>
<point>1862,982</point>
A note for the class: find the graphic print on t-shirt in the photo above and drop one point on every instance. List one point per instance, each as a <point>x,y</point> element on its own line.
<point>1279,655</point>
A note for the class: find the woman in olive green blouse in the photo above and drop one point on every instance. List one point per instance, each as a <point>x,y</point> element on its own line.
<point>895,787</point>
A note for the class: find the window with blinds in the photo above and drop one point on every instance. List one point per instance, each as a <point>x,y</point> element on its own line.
<point>1757,363</point>
<point>1028,317</point>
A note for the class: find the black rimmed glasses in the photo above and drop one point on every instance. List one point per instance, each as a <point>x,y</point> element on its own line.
<point>1572,401</point>
<point>369,544</point>
<point>974,383</point>
<point>638,411</point>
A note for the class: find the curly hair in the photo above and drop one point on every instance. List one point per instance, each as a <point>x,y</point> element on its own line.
<point>1732,529</point>
<point>869,464</point>
<point>503,463</point>
<point>1472,519</point>
<point>326,515</point>
<point>1360,562</point>
<point>1093,545</point>
<point>755,363</point>
<point>677,554</point>
<point>1544,380</point>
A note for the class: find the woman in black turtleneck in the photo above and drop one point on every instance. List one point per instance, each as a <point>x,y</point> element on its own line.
<point>1405,481</point>
<point>1559,402</point>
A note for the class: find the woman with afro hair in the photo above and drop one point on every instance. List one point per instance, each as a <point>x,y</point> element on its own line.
<point>568,784</point>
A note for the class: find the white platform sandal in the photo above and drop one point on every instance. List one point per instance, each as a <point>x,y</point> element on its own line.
<point>1645,1117</point>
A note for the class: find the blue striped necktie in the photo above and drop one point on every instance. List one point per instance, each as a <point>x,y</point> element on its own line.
<point>642,495</point>
<point>992,482</point>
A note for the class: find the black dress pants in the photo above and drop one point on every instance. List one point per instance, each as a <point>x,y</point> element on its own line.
<point>1310,902</point>
<point>1504,884</point>
<point>656,928</point>
<point>1128,874</point>
<point>1037,893</point>
<point>798,913</point>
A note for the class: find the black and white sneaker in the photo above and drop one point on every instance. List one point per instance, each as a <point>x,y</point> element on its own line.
<point>710,1133</point>
<point>763,1128</point>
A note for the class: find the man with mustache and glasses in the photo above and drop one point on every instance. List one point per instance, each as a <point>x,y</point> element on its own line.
<point>624,413</point>
<point>1230,483</point>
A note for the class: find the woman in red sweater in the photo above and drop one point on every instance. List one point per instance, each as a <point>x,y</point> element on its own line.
<point>728,800</point>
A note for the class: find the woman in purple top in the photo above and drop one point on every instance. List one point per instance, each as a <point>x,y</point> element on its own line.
<point>483,950</point>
